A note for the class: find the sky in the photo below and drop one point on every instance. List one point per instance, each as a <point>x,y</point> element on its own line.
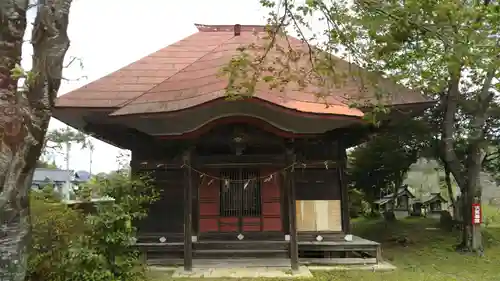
<point>107,35</point>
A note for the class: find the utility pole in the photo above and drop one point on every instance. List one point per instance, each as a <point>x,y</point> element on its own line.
<point>91,152</point>
<point>66,190</point>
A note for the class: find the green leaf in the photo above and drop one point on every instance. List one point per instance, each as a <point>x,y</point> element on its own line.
<point>17,72</point>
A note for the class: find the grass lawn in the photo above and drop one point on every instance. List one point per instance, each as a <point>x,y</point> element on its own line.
<point>427,255</point>
<point>491,215</point>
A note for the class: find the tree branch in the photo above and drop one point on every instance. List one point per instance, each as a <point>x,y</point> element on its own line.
<point>448,129</point>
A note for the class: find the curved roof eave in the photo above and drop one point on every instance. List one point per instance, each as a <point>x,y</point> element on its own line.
<point>291,106</point>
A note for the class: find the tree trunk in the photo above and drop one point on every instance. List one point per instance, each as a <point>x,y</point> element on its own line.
<point>373,209</point>
<point>24,118</point>
<point>14,174</point>
<point>451,160</point>
<point>467,176</point>
<point>472,239</point>
<point>391,215</point>
<point>394,197</point>
<point>449,187</point>
<point>451,105</point>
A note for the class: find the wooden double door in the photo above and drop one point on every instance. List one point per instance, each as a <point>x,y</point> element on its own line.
<point>239,200</point>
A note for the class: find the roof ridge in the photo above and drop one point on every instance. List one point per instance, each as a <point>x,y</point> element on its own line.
<point>229,27</point>
<point>168,78</point>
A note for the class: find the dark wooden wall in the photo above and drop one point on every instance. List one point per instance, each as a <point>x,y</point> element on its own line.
<point>321,178</point>
<point>317,184</point>
<point>317,180</point>
<point>165,216</point>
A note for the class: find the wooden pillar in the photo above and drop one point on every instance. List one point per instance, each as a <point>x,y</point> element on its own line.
<point>188,214</point>
<point>292,217</point>
<point>134,163</point>
<point>346,224</point>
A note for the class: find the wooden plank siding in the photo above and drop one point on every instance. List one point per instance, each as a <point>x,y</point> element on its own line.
<point>208,194</point>
<point>165,215</point>
<point>271,202</point>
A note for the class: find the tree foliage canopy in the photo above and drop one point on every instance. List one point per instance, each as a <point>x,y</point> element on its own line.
<point>446,49</point>
<point>384,160</point>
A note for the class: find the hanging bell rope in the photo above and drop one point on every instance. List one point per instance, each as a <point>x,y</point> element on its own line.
<point>246,184</point>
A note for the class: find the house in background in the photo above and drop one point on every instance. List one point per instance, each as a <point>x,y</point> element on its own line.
<point>64,181</point>
<point>401,202</point>
<point>423,177</point>
<point>82,176</point>
<point>430,205</point>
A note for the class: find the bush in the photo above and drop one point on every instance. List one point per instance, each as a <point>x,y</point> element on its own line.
<point>55,229</point>
<point>95,246</point>
<point>373,215</point>
<point>357,205</point>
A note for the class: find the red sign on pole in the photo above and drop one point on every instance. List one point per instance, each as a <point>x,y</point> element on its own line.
<point>477,217</point>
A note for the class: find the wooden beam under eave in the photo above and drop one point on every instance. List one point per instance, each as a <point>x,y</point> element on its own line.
<point>352,135</point>
<point>119,135</point>
<point>292,217</point>
<point>344,193</point>
<point>188,213</point>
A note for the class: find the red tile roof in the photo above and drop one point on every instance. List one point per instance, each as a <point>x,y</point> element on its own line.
<point>186,74</point>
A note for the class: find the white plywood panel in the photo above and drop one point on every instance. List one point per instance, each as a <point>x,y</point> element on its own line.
<point>318,215</point>
<point>322,216</point>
